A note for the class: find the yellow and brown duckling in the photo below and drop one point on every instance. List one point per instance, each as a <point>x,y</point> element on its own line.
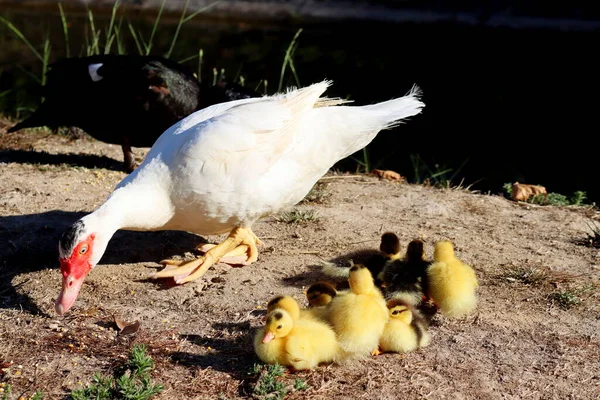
<point>405,331</point>
<point>320,294</point>
<point>373,259</point>
<point>289,304</point>
<point>406,278</point>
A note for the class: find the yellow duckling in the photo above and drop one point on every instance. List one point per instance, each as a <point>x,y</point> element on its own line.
<point>300,344</point>
<point>406,330</point>
<point>289,304</point>
<point>451,283</point>
<point>359,316</point>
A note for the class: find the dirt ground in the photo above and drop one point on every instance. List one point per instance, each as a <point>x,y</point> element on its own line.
<point>533,336</point>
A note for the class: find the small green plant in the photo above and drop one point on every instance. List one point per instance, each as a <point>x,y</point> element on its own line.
<point>552,199</point>
<point>363,165</point>
<point>507,188</point>
<point>525,274</point>
<point>300,384</point>
<point>134,384</point>
<point>578,198</point>
<point>6,389</point>
<point>268,383</point>
<point>557,199</point>
<point>38,395</point>
<point>318,194</point>
<point>297,216</point>
<point>571,297</point>
<point>564,299</point>
<point>439,175</point>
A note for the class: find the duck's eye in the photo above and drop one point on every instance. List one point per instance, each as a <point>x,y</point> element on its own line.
<point>83,249</point>
<point>395,312</point>
<point>279,326</point>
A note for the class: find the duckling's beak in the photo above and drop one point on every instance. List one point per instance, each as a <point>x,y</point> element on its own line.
<point>268,337</point>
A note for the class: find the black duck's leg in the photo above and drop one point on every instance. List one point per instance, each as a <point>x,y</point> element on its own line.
<point>129,159</point>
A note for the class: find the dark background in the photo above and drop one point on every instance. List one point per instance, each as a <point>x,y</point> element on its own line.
<point>503,104</point>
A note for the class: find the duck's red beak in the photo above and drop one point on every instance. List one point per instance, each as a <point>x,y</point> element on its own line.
<point>70,290</point>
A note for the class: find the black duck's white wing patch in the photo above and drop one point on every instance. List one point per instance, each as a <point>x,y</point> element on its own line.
<point>93,71</point>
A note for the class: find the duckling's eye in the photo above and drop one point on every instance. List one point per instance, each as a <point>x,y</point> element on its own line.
<point>395,312</point>
<point>279,326</point>
<point>83,249</point>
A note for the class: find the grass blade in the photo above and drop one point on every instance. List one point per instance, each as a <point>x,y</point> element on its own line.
<point>110,35</point>
<point>184,60</point>
<point>200,61</point>
<point>20,35</point>
<point>135,38</point>
<point>45,60</point>
<point>95,49</point>
<point>86,40</point>
<point>96,43</point>
<point>160,10</point>
<point>293,67</point>
<point>192,15</point>
<point>65,27</point>
<point>120,48</point>
<point>4,93</point>
<point>177,29</point>
<point>287,58</point>
<point>258,86</point>
<point>28,73</point>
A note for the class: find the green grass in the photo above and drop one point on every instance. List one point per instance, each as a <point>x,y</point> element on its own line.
<point>525,274</point>
<point>565,299</point>
<point>6,391</point>
<point>134,383</point>
<point>300,384</point>
<point>297,216</point>
<point>569,298</point>
<point>271,384</point>
<point>578,198</point>
<point>436,175</point>
<point>268,384</point>
<point>317,195</point>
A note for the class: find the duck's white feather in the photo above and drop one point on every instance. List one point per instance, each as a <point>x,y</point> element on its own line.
<point>232,163</point>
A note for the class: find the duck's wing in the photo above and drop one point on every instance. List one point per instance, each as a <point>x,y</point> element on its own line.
<point>247,137</point>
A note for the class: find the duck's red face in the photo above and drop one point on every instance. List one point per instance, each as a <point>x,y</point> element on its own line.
<point>74,269</point>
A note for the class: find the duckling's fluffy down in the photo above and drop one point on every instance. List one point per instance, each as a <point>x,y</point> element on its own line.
<point>452,286</point>
<point>401,337</point>
<point>359,321</point>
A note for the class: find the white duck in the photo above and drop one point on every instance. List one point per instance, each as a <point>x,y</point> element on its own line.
<point>221,169</point>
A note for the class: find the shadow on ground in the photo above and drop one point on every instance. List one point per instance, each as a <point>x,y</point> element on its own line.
<point>71,159</point>
<point>30,243</point>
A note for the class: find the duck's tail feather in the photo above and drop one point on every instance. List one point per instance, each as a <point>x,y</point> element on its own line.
<point>392,112</point>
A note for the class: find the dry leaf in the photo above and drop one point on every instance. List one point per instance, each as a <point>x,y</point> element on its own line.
<point>522,191</point>
<point>129,329</point>
<point>388,174</point>
<point>126,328</point>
